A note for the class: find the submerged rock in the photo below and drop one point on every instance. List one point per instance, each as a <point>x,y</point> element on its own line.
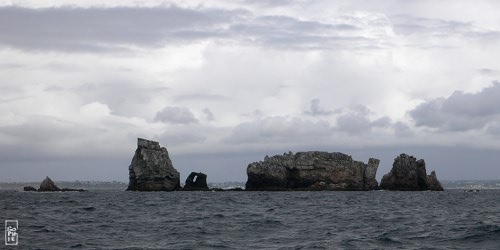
<point>29,189</point>
<point>151,169</point>
<point>196,182</point>
<point>48,185</point>
<point>408,174</point>
<point>311,171</point>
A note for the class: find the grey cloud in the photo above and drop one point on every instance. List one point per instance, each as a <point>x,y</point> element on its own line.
<point>441,29</point>
<point>383,122</point>
<point>402,129</point>
<point>483,103</point>
<point>13,66</point>
<point>493,128</point>
<point>316,110</point>
<point>175,115</point>
<point>361,110</point>
<point>53,89</point>
<point>270,3</point>
<point>14,99</point>
<point>97,29</point>
<point>460,111</point>
<point>118,95</point>
<point>38,129</point>
<point>408,25</point>
<point>110,29</point>
<point>357,121</point>
<point>255,113</point>
<point>44,138</point>
<point>279,129</point>
<point>291,33</point>
<point>179,138</point>
<point>198,97</point>
<point>209,116</point>
<point>486,71</point>
<point>352,123</point>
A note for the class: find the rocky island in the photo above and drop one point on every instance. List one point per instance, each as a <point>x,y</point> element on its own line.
<point>151,169</point>
<point>410,174</point>
<point>196,182</point>
<point>312,171</point>
<point>47,185</point>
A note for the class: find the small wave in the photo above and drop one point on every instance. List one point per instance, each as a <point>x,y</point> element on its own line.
<point>385,238</point>
<point>89,208</point>
<point>482,233</point>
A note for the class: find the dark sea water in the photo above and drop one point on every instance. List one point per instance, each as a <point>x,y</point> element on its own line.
<point>255,220</point>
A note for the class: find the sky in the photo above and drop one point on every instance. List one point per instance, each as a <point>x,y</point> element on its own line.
<point>223,83</point>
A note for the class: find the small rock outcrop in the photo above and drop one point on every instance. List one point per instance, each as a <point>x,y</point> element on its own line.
<point>48,185</point>
<point>433,182</point>
<point>409,174</point>
<point>29,189</point>
<point>196,182</point>
<point>313,171</point>
<point>370,174</point>
<point>151,169</point>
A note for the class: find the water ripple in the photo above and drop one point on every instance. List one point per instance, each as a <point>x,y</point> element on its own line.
<point>255,220</point>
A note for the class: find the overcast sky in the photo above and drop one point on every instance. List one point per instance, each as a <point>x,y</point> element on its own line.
<point>223,83</point>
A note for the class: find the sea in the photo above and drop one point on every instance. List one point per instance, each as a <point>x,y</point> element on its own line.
<point>116,219</point>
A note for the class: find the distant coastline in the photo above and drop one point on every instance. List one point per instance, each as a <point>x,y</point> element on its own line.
<point>118,185</point>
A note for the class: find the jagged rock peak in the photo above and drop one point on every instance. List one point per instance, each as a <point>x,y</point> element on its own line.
<point>151,168</point>
<point>48,185</point>
<point>433,182</point>
<point>409,174</point>
<point>311,170</point>
<point>143,143</point>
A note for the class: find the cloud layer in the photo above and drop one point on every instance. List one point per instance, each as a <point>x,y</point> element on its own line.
<point>460,111</point>
<point>236,80</point>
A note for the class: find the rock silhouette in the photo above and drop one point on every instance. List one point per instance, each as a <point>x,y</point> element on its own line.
<point>312,171</point>
<point>409,174</point>
<point>29,189</point>
<point>48,185</point>
<point>151,169</point>
<point>196,182</point>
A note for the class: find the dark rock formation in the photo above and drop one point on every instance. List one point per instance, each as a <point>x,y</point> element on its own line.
<point>48,185</point>
<point>311,171</point>
<point>151,169</point>
<point>29,189</point>
<point>433,182</point>
<point>370,174</point>
<point>196,182</point>
<point>408,174</point>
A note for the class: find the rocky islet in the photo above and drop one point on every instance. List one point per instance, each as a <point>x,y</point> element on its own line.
<point>152,170</point>
<point>312,170</point>
<point>47,185</point>
<point>410,174</point>
<point>196,182</point>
